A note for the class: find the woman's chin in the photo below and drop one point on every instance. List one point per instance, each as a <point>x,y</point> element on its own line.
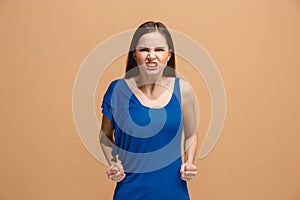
<point>155,73</point>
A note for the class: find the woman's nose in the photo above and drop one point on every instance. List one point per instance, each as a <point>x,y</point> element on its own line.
<point>151,55</point>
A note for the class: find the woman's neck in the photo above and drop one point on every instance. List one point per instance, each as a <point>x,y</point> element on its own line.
<point>149,84</point>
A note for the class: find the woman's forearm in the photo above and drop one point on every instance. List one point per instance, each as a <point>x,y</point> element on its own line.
<point>190,146</point>
<point>107,147</point>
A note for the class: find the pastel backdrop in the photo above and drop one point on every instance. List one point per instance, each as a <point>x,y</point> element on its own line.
<point>255,45</point>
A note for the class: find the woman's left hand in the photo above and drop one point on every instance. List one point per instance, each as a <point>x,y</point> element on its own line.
<point>188,171</point>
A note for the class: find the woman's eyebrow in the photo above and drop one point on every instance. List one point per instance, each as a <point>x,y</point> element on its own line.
<point>162,47</point>
<point>158,47</point>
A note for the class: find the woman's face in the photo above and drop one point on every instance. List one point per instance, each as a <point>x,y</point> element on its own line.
<point>152,53</point>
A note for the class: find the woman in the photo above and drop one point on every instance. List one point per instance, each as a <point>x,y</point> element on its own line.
<point>144,115</point>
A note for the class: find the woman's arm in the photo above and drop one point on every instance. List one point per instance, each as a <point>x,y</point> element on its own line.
<point>107,140</point>
<point>189,111</point>
<point>115,172</point>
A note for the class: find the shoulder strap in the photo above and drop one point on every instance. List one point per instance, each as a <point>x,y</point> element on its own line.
<point>177,89</point>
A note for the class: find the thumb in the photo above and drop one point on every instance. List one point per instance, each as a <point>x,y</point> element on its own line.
<point>182,169</point>
<point>111,170</point>
<point>120,167</point>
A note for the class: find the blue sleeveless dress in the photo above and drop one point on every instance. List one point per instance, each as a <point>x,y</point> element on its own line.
<point>148,144</point>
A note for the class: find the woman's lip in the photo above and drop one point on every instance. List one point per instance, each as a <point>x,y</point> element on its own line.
<point>151,64</point>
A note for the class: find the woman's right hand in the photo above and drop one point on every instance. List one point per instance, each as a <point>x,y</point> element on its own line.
<point>116,172</point>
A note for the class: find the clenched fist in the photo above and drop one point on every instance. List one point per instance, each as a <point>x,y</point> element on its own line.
<point>188,171</point>
<point>116,172</point>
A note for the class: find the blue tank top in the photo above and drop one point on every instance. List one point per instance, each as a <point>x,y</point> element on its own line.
<point>148,144</point>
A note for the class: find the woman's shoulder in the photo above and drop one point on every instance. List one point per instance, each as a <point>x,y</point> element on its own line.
<point>114,82</point>
<point>187,93</point>
<point>185,87</point>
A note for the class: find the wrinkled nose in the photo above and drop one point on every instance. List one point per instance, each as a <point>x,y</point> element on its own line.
<point>151,56</point>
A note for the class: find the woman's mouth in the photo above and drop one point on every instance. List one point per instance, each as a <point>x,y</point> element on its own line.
<point>151,65</point>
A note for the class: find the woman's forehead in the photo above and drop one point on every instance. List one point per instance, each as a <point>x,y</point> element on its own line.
<point>153,39</point>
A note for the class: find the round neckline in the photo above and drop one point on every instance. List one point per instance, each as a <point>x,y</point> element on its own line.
<point>148,107</point>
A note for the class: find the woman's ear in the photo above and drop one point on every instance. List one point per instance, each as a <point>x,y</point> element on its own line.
<point>169,54</point>
<point>133,54</point>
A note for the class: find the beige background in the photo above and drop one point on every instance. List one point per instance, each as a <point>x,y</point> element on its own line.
<point>255,44</point>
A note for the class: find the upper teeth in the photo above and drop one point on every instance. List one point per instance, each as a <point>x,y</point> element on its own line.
<point>151,64</point>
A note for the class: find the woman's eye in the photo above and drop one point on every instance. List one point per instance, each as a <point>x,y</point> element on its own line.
<point>159,49</point>
<point>143,49</point>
